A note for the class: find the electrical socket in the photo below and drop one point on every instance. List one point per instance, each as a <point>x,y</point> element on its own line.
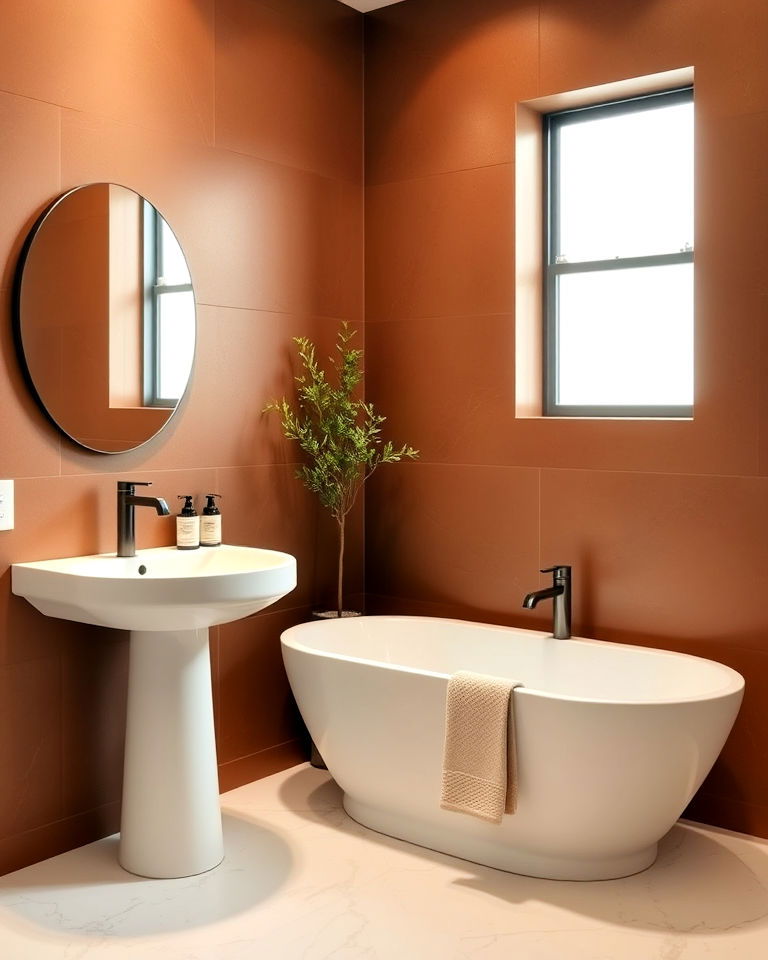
<point>6,504</point>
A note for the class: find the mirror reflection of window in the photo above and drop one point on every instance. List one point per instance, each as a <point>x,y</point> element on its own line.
<point>169,302</point>
<point>122,280</point>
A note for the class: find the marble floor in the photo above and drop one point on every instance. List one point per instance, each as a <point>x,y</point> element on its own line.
<point>302,880</point>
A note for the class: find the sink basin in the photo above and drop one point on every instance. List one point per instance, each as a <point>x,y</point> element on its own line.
<point>167,599</point>
<point>158,589</point>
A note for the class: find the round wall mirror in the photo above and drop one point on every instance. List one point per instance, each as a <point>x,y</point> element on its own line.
<point>104,315</point>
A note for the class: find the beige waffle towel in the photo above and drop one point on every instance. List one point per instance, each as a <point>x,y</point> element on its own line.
<point>479,737</point>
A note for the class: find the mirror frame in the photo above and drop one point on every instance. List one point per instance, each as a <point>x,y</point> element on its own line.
<point>18,321</point>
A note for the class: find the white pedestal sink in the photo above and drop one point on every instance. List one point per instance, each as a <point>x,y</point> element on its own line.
<point>167,598</point>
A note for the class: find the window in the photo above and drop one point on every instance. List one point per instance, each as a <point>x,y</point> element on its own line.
<point>619,259</point>
<point>169,303</point>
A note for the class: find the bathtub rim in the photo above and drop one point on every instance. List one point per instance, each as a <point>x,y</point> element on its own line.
<point>734,682</point>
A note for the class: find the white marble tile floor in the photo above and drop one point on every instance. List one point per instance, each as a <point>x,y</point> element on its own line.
<point>301,881</point>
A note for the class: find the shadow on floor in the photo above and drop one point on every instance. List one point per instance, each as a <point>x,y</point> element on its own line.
<point>86,892</point>
<point>697,885</point>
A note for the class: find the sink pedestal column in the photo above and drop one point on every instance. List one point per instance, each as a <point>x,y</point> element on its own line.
<point>171,820</point>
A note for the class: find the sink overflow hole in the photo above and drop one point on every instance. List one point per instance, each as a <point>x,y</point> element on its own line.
<point>142,569</point>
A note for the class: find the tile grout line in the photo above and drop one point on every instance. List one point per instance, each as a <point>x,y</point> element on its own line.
<point>440,173</point>
<point>163,470</point>
<point>247,756</point>
<point>213,78</point>
<point>468,317</point>
<point>538,50</point>
<point>60,175</point>
<point>533,466</point>
<point>301,315</point>
<point>703,475</point>
<point>60,658</point>
<point>539,517</point>
<point>62,819</point>
<point>363,283</point>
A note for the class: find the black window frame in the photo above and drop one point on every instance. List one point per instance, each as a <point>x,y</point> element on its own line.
<point>553,123</point>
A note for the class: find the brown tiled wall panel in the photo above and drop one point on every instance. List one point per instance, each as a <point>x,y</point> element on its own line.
<point>665,523</point>
<point>241,120</point>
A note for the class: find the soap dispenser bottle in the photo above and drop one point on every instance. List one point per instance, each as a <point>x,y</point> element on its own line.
<point>187,525</point>
<point>210,522</point>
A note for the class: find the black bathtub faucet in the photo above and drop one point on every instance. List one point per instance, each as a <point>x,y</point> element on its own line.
<point>560,594</point>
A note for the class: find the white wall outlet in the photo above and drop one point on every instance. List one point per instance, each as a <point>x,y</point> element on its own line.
<point>6,504</point>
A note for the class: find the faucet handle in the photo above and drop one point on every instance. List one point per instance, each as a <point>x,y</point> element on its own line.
<point>126,486</point>
<point>561,570</point>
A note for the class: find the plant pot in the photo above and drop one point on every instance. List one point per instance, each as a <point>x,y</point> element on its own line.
<point>334,614</point>
<point>316,759</point>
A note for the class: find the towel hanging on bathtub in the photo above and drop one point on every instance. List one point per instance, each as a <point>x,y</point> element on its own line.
<point>478,779</point>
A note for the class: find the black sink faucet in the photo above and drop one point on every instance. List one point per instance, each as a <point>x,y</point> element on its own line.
<point>560,594</point>
<point>126,524</point>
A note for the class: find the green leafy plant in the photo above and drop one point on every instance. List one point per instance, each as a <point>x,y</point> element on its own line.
<point>338,432</point>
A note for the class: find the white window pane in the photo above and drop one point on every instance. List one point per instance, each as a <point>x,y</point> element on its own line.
<point>625,337</point>
<point>173,265</point>
<point>176,342</point>
<point>626,184</point>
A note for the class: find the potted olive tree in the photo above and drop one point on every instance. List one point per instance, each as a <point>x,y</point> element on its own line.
<point>338,432</point>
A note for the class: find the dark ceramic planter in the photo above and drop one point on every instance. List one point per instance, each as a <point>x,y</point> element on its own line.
<point>334,614</point>
<point>316,759</point>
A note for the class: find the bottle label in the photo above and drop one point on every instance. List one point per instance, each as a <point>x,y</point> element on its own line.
<point>210,530</point>
<point>187,531</point>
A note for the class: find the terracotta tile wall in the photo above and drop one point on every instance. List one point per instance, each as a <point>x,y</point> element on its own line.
<point>665,523</point>
<point>241,120</point>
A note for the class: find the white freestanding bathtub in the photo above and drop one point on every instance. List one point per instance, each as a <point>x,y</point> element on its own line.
<point>612,740</point>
